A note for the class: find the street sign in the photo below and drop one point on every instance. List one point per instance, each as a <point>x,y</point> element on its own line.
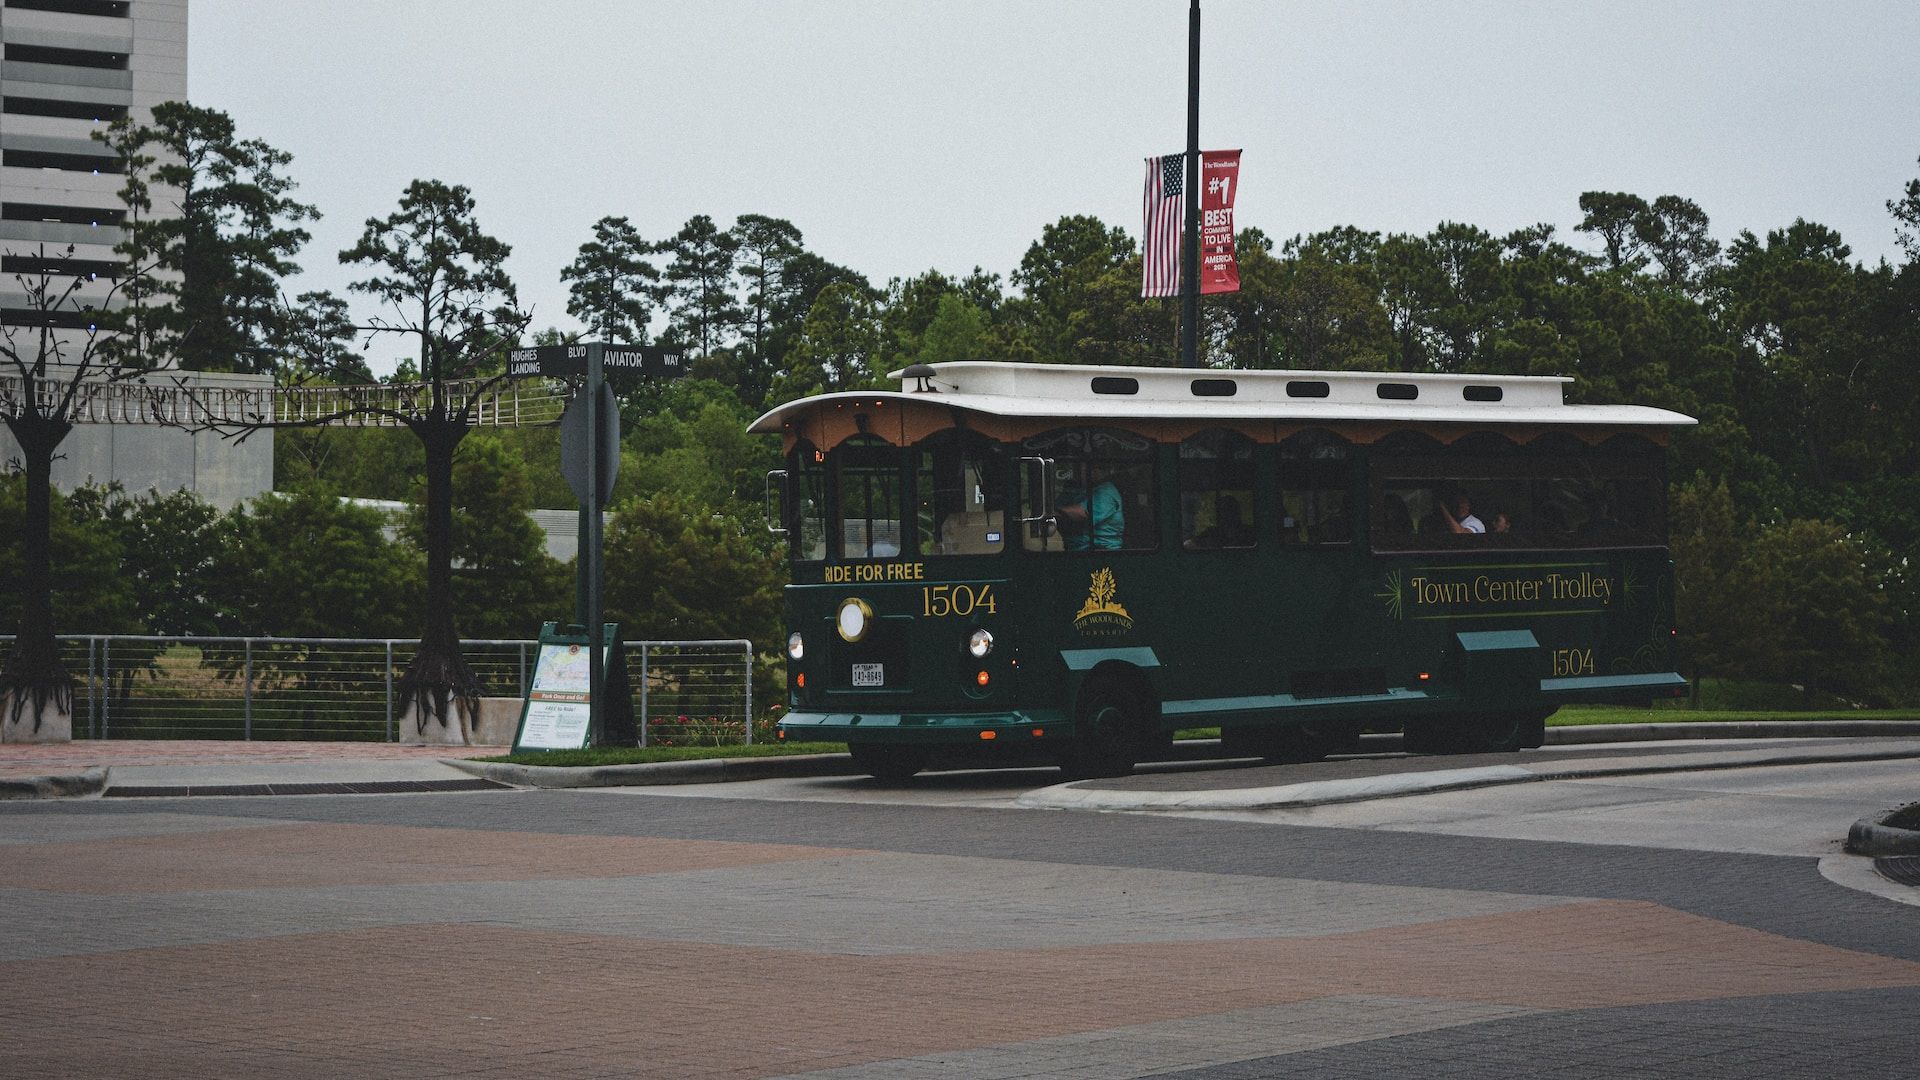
<point>573,445</point>
<point>557,711</point>
<point>562,361</point>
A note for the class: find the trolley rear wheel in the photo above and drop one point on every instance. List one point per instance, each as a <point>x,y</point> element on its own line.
<point>1498,732</point>
<point>1290,743</point>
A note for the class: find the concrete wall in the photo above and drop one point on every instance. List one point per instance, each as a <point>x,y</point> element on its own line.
<point>143,457</point>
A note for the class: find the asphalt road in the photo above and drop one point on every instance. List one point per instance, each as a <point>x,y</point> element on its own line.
<point>834,928</point>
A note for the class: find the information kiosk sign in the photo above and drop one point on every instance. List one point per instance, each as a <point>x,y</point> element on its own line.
<point>557,713</point>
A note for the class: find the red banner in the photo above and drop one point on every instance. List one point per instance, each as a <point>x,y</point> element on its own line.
<point>1219,176</point>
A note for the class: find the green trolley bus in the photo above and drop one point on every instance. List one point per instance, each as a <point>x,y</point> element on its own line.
<point>1019,562</point>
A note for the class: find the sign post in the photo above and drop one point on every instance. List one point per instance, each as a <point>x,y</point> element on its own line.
<point>593,499</point>
<point>589,458</point>
<point>577,446</point>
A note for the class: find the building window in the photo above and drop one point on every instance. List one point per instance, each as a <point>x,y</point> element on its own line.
<point>36,265</point>
<point>44,159</point>
<point>62,319</point>
<point>65,215</point>
<point>97,111</point>
<point>47,54</point>
<point>106,9</point>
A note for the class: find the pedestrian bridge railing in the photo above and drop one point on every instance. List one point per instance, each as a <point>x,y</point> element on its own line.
<point>146,687</point>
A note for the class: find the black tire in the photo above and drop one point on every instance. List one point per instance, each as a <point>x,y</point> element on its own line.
<point>1329,738</point>
<point>1499,732</point>
<point>1244,742</point>
<point>1290,744</point>
<point>1110,731</point>
<point>1505,732</point>
<point>1435,735</point>
<point>1495,733</point>
<point>887,764</point>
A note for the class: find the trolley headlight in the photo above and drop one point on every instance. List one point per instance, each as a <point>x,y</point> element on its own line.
<point>853,618</point>
<point>796,646</point>
<point>980,644</point>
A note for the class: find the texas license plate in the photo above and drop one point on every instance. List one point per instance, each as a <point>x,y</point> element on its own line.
<point>869,675</point>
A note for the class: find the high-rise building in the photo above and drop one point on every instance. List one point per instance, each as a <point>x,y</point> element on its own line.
<point>70,68</point>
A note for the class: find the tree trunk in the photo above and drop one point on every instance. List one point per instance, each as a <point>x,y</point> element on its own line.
<point>33,674</point>
<point>438,685</point>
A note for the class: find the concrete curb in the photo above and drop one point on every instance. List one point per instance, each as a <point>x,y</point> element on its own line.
<point>703,771</point>
<point>1319,793</point>
<point>80,785</point>
<point>1875,837</point>
<point>1869,837</point>
<point>1312,793</point>
<point>1737,729</point>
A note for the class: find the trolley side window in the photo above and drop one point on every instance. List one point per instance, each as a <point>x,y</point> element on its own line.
<point>1551,495</point>
<point>868,475</point>
<point>807,505</point>
<point>957,496</point>
<point>1216,491</point>
<point>1088,489</point>
<point>1316,475</point>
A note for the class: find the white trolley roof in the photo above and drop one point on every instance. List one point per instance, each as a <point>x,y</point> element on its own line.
<point>1077,392</point>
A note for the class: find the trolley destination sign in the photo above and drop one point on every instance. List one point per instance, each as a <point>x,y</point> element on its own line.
<point>564,361</point>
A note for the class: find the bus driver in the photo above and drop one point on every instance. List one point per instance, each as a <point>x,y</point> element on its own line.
<point>1098,521</point>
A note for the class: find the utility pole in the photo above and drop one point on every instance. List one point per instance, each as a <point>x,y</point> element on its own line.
<point>1190,243</point>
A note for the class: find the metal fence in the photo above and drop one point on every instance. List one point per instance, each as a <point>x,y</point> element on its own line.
<point>684,692</point>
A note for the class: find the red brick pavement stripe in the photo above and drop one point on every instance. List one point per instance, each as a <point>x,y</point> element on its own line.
<point>402,1001</point>
<point>279,856</point>
<point>37,759</point>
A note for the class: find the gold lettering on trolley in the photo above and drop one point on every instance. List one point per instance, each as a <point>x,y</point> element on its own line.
<point>837,575</point>
<point>1494,590</point>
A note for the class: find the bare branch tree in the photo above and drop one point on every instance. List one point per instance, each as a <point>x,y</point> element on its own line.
<point>64,345</point>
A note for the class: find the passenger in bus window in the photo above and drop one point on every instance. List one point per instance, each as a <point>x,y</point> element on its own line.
<point>1502,523</point>
<point>1097,522</point>
<point>1396,520</point>
<point>1461,519</point>
<point>1229,528</point>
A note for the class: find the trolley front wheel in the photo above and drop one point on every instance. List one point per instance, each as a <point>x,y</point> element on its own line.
<point>1108,737</point>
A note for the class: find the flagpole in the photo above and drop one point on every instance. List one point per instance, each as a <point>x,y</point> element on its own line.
<point>1190,248</point>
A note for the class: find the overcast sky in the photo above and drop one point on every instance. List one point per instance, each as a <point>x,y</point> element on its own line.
<point>912,134</point>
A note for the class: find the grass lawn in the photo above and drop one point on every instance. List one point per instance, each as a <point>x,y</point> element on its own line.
<point>639,755</point>
<point>1575,715</point>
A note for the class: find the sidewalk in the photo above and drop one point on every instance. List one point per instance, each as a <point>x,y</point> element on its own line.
<point>1199,781</point>
<point>188,766</point>
<point>1267,787</point>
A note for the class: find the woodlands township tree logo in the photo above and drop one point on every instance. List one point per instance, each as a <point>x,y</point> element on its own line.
<point>1101,615</point>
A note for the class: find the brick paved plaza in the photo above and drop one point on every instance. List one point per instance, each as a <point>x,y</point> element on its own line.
<point>582,934</point>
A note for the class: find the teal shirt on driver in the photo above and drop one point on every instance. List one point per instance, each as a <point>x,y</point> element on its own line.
<point>1106,521</point>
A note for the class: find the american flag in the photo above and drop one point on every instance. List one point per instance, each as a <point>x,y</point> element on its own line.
<point>1165,220</point>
